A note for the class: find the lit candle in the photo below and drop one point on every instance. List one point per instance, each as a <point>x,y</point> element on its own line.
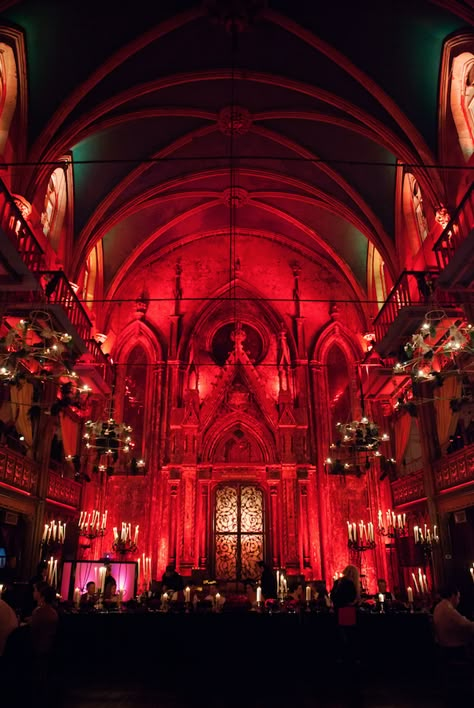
<point>308,593</point>
<point>77,597</point>
<point>425,583</point>
<point>187,594</point>
<point>414,580</point>
<point>136,534</point>
<point>410,595</point>
<point>415,533</point>
<point>379,519</point>
<point>471,570</point>
<point>404,519</point>
<point>102,579</point>
<point>218,600</point>
<point>349,530</point>
<point>381,598</point>
<point>259,591</point>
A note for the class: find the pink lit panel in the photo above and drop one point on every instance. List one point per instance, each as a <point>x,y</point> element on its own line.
<point>85,571</point>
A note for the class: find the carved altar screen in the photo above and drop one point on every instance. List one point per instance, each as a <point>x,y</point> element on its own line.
<point>239,531</point>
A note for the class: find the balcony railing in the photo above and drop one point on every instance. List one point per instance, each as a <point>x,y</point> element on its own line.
<point>411,294</point>
<point>101,361</point>
<point>455,470</point>
<point>63,294</point>
<point>18,471</point>
<point>457,232</point>
<point>63,490</point>
<point>409,489</point>
<point>19,233</point>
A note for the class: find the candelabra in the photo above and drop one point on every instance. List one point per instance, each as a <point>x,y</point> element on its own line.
<point>54,535</point>
<point>123,542</point>
<point>91,526</point>
<point>396,524</point>
<point>361,536</point>
<point>425,538</point>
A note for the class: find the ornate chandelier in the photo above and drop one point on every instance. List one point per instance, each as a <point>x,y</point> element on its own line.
<point>34,347</point>
<point>358,444</point>
<point>418,354</point>
<point>123,542</point>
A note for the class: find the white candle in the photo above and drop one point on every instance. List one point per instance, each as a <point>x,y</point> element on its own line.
<point>259,590</point>
<point>218,599</point>
<point>415,533</point>
<point>410,595</point>
<point>379,519</point>
<point>381,598</point>
<point>136,534</point>
<point>414,580</point>
<point>471,570</point>
<point>349,530</point>
<point>102,579</point>
<point>77,597</point>
<point>308,593</point>
<point>187,594</point>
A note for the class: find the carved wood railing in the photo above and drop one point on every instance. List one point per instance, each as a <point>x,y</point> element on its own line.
<point>18,471</point>
<point>409,489</point>
<point>457,231</point>
<point>64,295</point>
<point>454,470</point>
<point>19,233</point>
<point>63,490</point>
<point>413,288</point>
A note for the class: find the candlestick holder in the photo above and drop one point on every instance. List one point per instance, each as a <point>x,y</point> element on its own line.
<point>393,532</point>
<point>123,547</point>
<point>361,546</point>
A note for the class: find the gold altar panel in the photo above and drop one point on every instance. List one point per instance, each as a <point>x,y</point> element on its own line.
<point>226,556</point>
<point>251,509</point>
<point>251,551</point>
<point>226,509</point>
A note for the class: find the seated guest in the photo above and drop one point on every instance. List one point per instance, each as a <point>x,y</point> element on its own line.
<point>250,591</point>
<point>382,590</point>
<point>322,599</point>
<point>29,602</point>
<point>8,622</point>
<point>452,630</point>
<point>44,620</point>
<point>89,598</point>
<point>171,580</point>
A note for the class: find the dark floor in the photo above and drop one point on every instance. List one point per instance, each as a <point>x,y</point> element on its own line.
<point>372,693</point>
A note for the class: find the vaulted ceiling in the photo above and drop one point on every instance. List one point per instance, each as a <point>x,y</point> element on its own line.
<point>331,96</point>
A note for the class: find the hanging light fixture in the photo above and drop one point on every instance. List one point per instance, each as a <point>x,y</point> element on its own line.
<point>418,355</point>
<point>107,440</point>
<point>33,347</point>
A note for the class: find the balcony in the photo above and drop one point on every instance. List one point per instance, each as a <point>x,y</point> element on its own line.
<point>95,368</point>
<point>17,472</point>
<point>454,249</point>
<point>22,256</point>
<point>412,296</point>
<point>64,491</point>
<point>455,470</point>
<point>409,489</point>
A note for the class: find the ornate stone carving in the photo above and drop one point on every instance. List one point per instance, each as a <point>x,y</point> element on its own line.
<point>234,120</point>
<point>23,205</point>
<point>455,470</point>
<point>235,15</point>
<point>235,197</point>
<point>443,216</point>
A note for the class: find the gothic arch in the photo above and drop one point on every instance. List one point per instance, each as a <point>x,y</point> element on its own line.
<point>337,333</point>
<point>216,436</point>
<point>269,324</point>
<point>143,333</point>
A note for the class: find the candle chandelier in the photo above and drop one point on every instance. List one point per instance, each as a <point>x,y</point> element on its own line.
<point>34,347</point>
<point>53,538</point>
<point>92,525</point>
<point>433,346</point>
<point>358,445</point>
<point>108,442</point>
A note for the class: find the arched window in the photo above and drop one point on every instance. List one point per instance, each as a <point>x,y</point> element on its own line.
<point>239,531</point>
<point>376,277</point>
<point>339,388</point>
<point>90,277</point>
<point>414,212</point>
<point>8,92</point>
<point>134,402</point>
<point>462,100</point>
<point>54,209</point>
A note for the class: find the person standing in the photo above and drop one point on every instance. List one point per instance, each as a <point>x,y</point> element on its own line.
<point>268,581</point>
<point>454,633</point>
<point>171,581</point>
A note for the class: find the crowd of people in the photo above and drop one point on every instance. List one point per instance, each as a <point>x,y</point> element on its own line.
<point>454,633</point>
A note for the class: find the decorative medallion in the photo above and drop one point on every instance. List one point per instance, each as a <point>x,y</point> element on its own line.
<point>234,120</point>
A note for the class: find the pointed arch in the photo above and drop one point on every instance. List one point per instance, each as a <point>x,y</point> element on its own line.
<point>220,431</point>
<point>137,350</point>
<point>13,95</point>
